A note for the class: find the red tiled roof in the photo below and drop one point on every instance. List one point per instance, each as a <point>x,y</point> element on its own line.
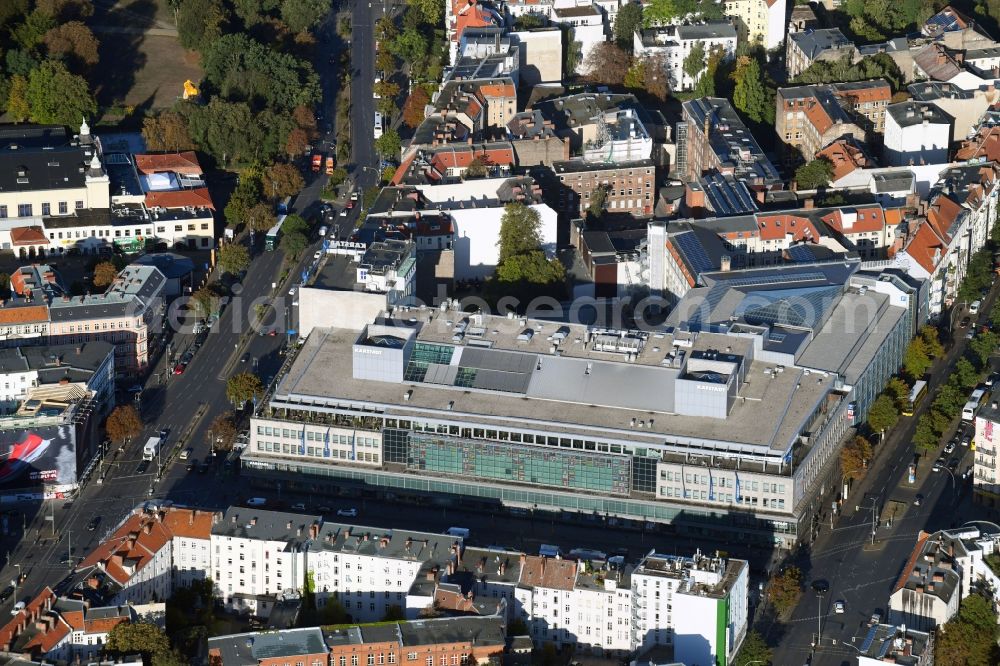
<point>844,157</point>
<point>136,542</point>
<point>498,90</point>
<point>868,220</point>
<point>186,162</point>
<point>189,523</point>
<point>942,214</point>
<point>923,245</point>
<point>985,144</point>
<point>28,236</point>
<point>548,572</point>
<point>197,197</point>
<point>776,227</point>
<point>912,561</point>
<point>25,314</point>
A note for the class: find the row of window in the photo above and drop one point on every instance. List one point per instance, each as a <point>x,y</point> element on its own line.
<point>311,436</point>
<point>127,233</point>
<point>722,482</point>
<point>28,210</point>
<point>317,452</point>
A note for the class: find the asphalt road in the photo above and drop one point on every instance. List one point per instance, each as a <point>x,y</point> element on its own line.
<point>41,540</point>
<point>363,16</point>
<point>858,572</point>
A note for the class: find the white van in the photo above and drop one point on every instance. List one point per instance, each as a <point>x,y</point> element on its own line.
<point>974,308</point>
<point>378,124</point>
<point>256,501</point>
<point>969,411</point>
<point>461,532</point>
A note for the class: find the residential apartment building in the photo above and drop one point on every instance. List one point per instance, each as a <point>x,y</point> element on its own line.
<point>809,118</point>
<point>586,20</point>
<point>305,646</point>
<point>672,44</point>
<point>985,479</point>
<point>760,21</point>
<point>89,367</point>
<point>805,48</point>
<point>716,139</point>
<point>628,187</point>
<point>891,644</point>
<point>704,603</point>
<point>128,315</point>
<point>916,133</point>
<point>867,101</point>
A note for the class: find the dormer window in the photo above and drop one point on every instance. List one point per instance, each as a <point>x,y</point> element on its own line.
<point>22,175</point>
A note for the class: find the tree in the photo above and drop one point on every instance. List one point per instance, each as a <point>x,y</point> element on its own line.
<point>21,62</point>
<point>58,97</point>
<point>413,108</point>
<point>301,15</point>
<point>104,274</point>
<point>234,258</point>
<point>410,45</point>
<point>29,33</point>
<point>655,80</point>
<point>694,63</point>
<point>785,589</point>
<point>753,651</point>
<point>608,63</point>
<point>17,99</point>
<point>297,142</point>
<point>199,23</point>
<point>259,218</point>
<point>281,180</point>
<point>138,638</point>
<point>814,175</point>
<point>636,75</point>
<point>123,423</point>
<point>522,265</point>
<point>167,132</point>
<point>854,458</point>
<point>529,22</point>
<point>430,12</point>
<point>389,172</point>
<point>845,69</point>
<point>246,195</point>
<point>750,95</point>
<point>337,178</point>
<point>295,224</point>
<point>882,414</point>
<point>394,613</point>
<point>932,345</point>
<point>965,373</point>
<point>223,431</point>
<point>949,399</point>
<point>66,10</point>
<point>970,637</point>
<point>242,387</point>
<point>74,41</point>
<point>389,144</point>
<point>292,244</point>
<point>898,390</point>
<point>628,20</point>
<point>924,437</point>
<point>598,198</point>
<point>520,231</point>
<point>476,169</point>
<point>915,360</point>
<point>385,61</point>
<point>983,345</point>
<point>205,301</point>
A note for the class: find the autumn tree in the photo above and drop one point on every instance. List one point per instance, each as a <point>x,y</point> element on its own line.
<point>608,63</point>
<point>223,429</point>
<point>234,257</point>
<point>242,387</point>
<point>259,217</point>
<point>854,458</point>
<point>205,301</point>
<point>916,360</point>
<point>387,92</point>
<point>66,10</point>
<point>104,274</point>
<point>167,132</point>
<point>413,108</point>
<point>304,119</point>
<point>147,639</point>
<point>655,81</point>
<point>297,142</point>
<point>898,390</point>
<point>73,41</point>
<point>753,651</point>
<point>785,589</point>
<point>17,99</point>
<point>281,180</point>
<point>476,169</point>
<point>123,423</point>
<point>932,344</point>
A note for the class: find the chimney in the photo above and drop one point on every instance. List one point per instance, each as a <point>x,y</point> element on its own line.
<point>288,525</point>
<point>191,516</point>
<point>313,531</point>
<point>808,204</point>
<point>725,262</point>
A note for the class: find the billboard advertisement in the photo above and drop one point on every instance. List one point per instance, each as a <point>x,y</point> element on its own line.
<point>33,458</point>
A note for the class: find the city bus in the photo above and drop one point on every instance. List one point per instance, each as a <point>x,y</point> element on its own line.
<point>917,394</point>
<point>274,234</point>
<point>976,400</point>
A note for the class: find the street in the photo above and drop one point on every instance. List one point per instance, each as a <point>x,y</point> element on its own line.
<point>858,572</point>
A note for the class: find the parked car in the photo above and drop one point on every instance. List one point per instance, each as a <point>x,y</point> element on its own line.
<point>838,607</point>
<point>7,593</point>
<point>949,447</point>
<point>876,618</point>
<point>918,500</point>
<point>966,439</point>
<point>965,322</point>
<point>94,522</point>
<point>299,506</point>
<point>317,254</point>
<point>347,513</point>
<point>938,464</point>
<point>180,368</point>
<point>18,607</point>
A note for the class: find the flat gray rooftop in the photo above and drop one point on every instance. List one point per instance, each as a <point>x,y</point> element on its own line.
<point>768,413</point>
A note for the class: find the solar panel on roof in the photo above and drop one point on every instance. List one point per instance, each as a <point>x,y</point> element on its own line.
<point>869,639</point>
<point>800,253</point>
<point>785,278</point>
<point>694,252</point>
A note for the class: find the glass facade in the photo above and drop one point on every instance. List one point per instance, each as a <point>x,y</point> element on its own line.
<point>425,353</point>
<point>520,464</point>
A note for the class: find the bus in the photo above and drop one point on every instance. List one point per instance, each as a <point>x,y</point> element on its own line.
<point>274,234</point>
<point>917,394</point>
<point>977,399</point>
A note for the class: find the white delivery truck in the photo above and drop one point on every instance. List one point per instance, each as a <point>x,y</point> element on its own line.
<point>152,448</point>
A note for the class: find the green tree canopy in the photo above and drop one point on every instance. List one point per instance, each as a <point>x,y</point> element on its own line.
<point>57,97</point>
<point>915,360</point>
<point>295,224</point>
<point>750,94</point>
<point>293,244</point>
<point>301,15</point>
<point>898,390</point>
<point>983,345</point>
<point>234,257</point>
<point>200,23</point>
<point>845,70</point>
<point>410,45</point>
<point>137,638</point>
<point>969,638</point>
<point>813,175</point>
<point>882,414</point>
<point>694,63</point>
<point>664,12</point>
<point>246,195</point>
<point>389,145</point>
<point>754,651</point>
<point>244,70</point>
<point>924,437</point>
<point>627,21</point>
<point>522,262</point>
